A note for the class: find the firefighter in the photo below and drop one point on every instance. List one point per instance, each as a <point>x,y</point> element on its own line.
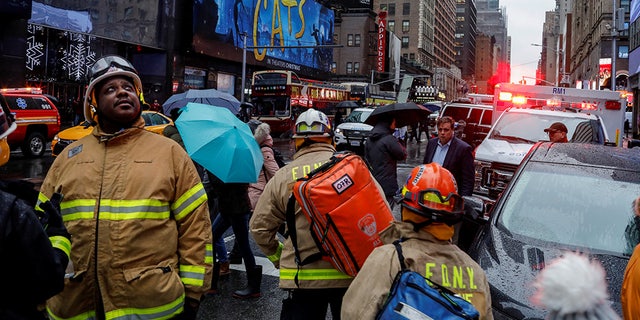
<point>318,284</point>
<point>431,206</point>
<point>135,207</point>
<point>34,258</point>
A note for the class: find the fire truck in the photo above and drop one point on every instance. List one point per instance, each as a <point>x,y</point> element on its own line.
<point>522,112</point>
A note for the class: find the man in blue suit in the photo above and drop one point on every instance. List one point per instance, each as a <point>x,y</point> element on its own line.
<point>453,154</point>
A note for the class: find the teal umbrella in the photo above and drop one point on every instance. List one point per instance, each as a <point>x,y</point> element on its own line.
<point>220,142</point>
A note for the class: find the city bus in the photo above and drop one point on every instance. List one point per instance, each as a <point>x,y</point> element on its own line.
<point>279,96</point>
<point>368,94</point>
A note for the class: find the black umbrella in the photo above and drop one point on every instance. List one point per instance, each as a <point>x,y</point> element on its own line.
<point>347,104</point>
<point>405,114</point>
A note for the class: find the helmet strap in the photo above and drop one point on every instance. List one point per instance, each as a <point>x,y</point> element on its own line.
<point>419,225</point>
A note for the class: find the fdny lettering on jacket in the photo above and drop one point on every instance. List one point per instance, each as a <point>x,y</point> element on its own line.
<point>453,277</point>
<point>298,172</point>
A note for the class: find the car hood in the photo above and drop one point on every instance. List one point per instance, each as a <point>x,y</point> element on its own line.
<point>75,133</point>
<point>512,264</point>
<point>355,126</point>
<point>502,151</point>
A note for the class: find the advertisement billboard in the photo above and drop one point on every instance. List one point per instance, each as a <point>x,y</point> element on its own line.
<point>604,71</point>
<point>280,34</point>
<point>382,41</point>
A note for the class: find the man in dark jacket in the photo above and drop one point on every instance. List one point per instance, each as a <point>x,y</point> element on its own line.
<point>382,152</point>
<point>35,258</point>
<point>453,154</point>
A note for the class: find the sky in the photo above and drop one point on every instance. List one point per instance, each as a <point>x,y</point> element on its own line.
<point>525,19</point>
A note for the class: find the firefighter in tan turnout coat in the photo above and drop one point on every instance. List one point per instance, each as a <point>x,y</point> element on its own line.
<point>319,284</point>
<point>135,208</point>
<point>430,206</point>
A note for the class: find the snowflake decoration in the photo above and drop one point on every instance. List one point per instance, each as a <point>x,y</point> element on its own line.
<point>79,56</point>
<point>35,49</point>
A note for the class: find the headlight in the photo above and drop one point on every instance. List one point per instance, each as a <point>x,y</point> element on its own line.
<point>338,130</point>
<point>56,138</point>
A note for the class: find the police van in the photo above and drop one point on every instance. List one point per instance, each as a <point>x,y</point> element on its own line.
<point>522,112</point>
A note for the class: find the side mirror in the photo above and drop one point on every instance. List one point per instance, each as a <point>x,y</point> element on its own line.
<point>474,208</point>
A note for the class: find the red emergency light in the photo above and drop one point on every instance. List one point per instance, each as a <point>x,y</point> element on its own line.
<point>612,105</point>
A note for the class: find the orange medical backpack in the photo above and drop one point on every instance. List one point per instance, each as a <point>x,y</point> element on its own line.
<point>345,209</point>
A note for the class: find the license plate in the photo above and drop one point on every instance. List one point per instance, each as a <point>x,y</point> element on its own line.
<point>355,143</point>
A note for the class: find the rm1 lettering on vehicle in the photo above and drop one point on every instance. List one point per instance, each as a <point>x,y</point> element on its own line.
<point>559,90</point>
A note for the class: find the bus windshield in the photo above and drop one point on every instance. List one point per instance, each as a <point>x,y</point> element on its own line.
<point>272,78</point>
<point>272,106</point>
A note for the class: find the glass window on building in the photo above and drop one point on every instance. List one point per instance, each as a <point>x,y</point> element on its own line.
<point>356,67</point>
<point>412,56</point>
<point>383,7</point>
<point>405,42</point>
<point>349,40</point>
<point>405,25</point>
<point>349,68</point>
<point>623,52</point>
<point>357,40</point>
<point>406,8</point>
<point>391,25</point>
<point>392,9</point>
<point>406,56</point>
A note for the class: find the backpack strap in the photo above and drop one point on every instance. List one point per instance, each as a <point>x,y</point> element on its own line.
<point>400,255</point>
<point>293,234</point>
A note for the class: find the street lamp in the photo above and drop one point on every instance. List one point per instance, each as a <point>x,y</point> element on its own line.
<point>560,53</point>
<point>614,36</point>
<point>244,64</point>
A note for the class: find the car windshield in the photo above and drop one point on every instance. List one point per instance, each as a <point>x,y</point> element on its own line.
<point>529,128</point>
<point>358,116</point>
<point>579,206</point>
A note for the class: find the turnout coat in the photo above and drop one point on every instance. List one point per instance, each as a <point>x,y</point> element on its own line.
<point>139,223</point>
<point>439,260</point>
<point>269,215</point>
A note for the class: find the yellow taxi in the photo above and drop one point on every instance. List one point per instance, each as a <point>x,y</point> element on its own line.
<point>154,122</point>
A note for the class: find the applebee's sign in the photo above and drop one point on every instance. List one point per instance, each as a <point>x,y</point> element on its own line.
<point>382,40</point>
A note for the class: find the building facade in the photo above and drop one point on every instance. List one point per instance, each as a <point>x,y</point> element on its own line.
<point>465,39</point>
<point>592,53</point>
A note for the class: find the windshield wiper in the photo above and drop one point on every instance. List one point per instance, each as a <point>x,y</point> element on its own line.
<point>513,139</point>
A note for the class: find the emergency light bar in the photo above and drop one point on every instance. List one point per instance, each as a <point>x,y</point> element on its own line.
<point>520,101</point>
<point>22,90</point>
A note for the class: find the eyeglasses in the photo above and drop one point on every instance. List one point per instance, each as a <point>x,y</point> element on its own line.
<point>432,199</point>
<point>105,64</point>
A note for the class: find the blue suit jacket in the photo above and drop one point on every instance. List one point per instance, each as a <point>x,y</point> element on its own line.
<point>459,161</point>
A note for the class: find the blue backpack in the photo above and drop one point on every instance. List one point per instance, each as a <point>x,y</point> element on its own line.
<point>413,296</point>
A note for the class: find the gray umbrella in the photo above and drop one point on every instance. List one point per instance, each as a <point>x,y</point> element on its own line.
<point>348,104</point>
<point>211,97</point>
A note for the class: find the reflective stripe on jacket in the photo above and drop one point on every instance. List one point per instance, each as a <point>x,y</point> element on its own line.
<point>270,212</point>
<point>139,223</point>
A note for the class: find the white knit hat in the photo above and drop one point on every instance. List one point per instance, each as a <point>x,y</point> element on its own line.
<point>572,287</point>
